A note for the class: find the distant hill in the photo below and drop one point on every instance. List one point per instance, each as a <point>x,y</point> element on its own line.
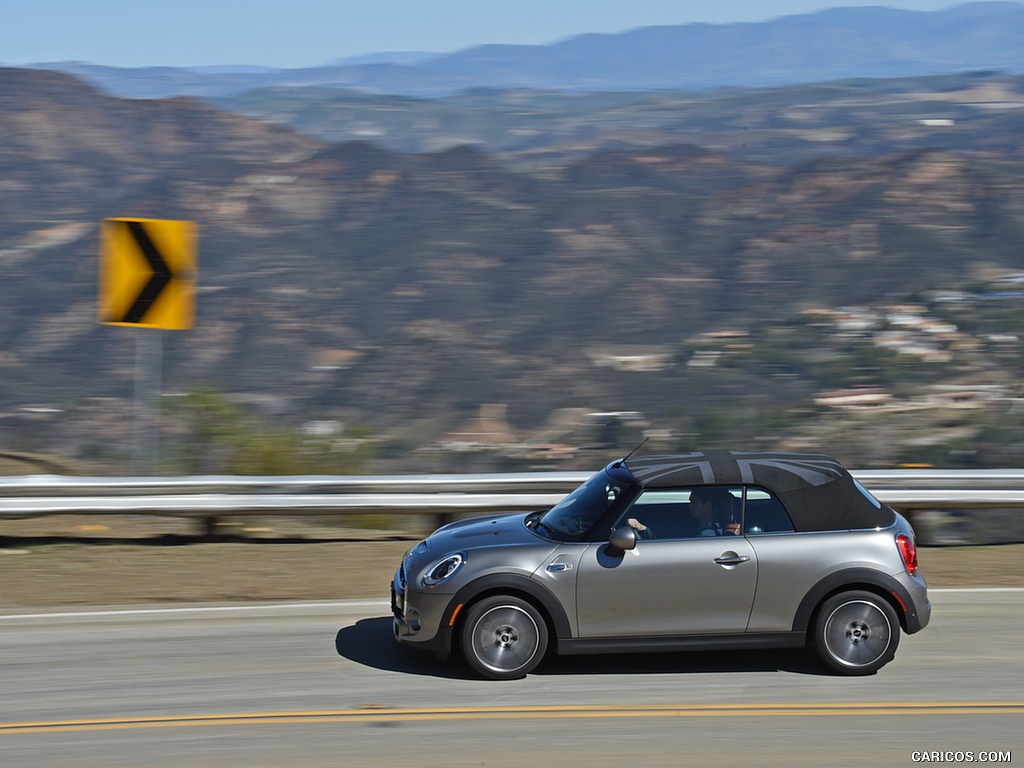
<point>828,45</point>
<point>787,124</point>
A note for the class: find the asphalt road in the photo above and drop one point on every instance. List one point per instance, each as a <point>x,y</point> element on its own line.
<point>324,685</point>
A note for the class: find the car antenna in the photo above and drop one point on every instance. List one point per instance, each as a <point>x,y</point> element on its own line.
<point>628,455</point>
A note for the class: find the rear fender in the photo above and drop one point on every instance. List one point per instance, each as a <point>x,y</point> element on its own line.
<point>858,578</point>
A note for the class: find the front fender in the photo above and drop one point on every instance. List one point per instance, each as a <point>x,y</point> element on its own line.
<point>500,583</point>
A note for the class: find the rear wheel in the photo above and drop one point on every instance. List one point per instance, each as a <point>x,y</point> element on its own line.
<point>856,633</point>
<point>504,638</point>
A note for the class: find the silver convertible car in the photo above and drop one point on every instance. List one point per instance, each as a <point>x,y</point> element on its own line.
<point>697,551</point>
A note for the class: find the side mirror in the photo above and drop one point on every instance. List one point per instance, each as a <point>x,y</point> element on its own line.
<point>623,538</point>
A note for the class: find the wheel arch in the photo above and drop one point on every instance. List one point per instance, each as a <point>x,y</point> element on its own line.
<point>885,587</point>
<point>512,585</point>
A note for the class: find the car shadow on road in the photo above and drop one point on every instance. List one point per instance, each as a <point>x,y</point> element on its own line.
<point>370,642</point>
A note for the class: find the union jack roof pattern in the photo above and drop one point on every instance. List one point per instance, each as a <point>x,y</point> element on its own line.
<point>771,468</point>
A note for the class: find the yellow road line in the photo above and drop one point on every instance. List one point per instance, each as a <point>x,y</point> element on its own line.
<point>381,714</point>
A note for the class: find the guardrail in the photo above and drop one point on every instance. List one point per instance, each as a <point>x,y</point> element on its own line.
<point>921,495</point>
<point>205,497</point>
<point>213,496</point>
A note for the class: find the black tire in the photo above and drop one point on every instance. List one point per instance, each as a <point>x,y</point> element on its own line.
<point>503,638</point>
<point>856,633</point>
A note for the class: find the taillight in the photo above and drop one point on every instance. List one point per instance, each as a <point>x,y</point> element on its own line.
<point>908,550</point>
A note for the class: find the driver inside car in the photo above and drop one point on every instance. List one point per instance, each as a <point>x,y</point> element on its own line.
<point>713,510</point>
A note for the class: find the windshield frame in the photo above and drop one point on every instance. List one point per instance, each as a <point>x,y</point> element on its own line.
<point>593,508</point>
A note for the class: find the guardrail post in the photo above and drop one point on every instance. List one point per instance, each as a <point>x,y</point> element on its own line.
<point>209,527</point>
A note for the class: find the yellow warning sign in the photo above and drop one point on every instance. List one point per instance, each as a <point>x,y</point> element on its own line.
<point>148,273</point>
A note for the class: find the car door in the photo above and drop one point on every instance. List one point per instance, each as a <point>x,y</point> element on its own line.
<point>672,583</point>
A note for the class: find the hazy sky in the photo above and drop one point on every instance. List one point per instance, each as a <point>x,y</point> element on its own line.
<point>298,33</point>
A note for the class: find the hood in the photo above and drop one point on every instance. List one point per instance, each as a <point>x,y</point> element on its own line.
<point>482,532</point>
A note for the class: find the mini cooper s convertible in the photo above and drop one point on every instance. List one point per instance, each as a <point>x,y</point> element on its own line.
<point>696,551</point>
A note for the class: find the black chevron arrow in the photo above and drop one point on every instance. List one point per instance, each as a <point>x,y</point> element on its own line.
<point>161,276</point>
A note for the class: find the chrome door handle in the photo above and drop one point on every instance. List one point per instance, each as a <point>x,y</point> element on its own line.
<point>731,559</point>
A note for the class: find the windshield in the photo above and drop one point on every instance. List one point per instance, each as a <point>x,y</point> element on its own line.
<point>576,514</point>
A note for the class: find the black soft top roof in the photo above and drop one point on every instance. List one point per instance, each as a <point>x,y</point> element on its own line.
<point>818,492</point>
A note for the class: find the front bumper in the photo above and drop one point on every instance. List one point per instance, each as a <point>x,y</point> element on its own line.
<point>418,616</point>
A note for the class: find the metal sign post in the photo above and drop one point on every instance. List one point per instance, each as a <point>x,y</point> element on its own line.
<point>148,387</point>
<point>147,280</point>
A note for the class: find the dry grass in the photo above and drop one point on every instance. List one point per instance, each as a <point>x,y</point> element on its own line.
<point>57,561</point>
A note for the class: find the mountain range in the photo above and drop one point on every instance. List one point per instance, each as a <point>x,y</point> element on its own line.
<point>828,45</point>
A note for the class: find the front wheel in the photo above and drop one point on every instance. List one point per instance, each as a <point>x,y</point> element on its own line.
<point>856,633</point>
<point>504,638</point>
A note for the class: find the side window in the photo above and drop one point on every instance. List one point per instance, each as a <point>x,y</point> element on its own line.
<point>659,514</point>
<point>684,513</point>
<point>764,513</point>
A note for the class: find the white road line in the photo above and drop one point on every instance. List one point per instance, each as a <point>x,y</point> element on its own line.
<point>340,605</point>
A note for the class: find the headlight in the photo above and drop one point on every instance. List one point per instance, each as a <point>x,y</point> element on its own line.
<point>443,569</point>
